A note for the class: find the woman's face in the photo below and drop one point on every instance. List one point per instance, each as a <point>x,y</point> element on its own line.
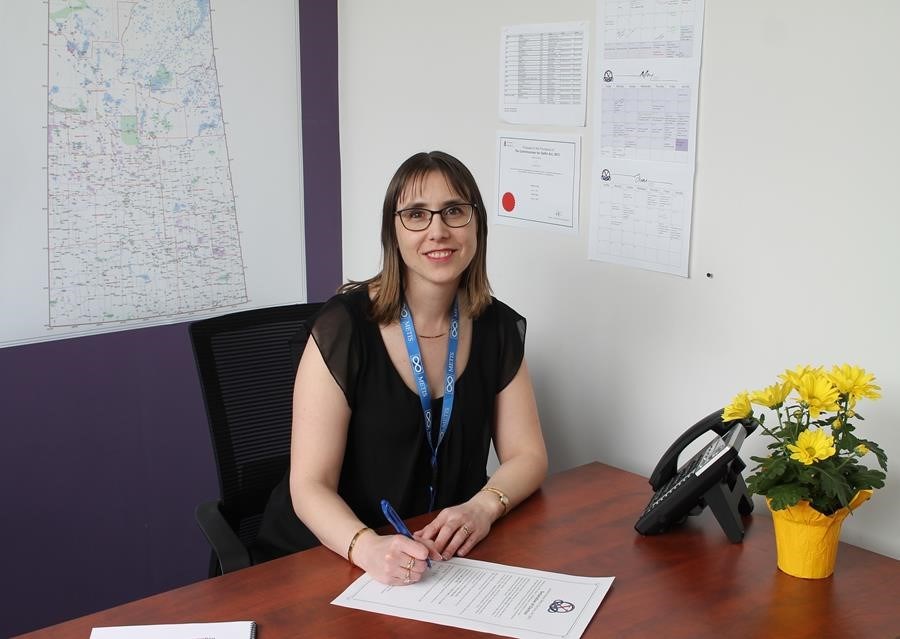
<point>440,254</point>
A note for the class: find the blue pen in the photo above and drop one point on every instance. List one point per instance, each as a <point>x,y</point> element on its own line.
<point>397,523</point>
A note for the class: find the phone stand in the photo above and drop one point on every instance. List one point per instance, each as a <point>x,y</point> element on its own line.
<point>728,500</point>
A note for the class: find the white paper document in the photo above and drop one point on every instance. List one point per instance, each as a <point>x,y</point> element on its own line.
<point>650,29</point>
<point>645,137</point>
<point>487,597</point>
<point>648,112</point>
<point>641,215</point>
<point>543,74</point>
<point>213,630</point>
<point>538,180</point>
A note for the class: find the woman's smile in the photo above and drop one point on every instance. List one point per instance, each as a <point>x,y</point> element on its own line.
<point>439,255</point>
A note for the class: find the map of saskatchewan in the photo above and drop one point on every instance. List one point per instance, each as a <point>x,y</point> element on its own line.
<point>141,212</point>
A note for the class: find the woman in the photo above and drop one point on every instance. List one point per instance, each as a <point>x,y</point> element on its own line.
<point>407,378</point>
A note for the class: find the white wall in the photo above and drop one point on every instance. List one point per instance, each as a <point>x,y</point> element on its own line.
<point>795,216</point>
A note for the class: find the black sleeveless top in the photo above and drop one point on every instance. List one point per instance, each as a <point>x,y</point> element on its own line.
<point>387,455</point>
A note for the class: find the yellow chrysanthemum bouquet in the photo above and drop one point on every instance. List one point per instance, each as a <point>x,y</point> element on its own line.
<point>816,455</point>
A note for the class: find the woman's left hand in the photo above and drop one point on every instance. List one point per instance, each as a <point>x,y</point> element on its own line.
<point>457,529</point>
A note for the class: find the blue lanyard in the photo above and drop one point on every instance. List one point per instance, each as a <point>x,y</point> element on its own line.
<point>418,370</point>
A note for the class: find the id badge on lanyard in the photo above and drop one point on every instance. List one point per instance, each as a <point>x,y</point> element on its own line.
<point>418,370</point>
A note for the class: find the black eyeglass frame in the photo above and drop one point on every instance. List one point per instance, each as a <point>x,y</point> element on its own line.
<point>433,213</point>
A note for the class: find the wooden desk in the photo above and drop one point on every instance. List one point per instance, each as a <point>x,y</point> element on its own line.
<point>687,583</point>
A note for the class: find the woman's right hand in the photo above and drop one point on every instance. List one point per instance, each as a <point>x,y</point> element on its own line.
<point>393,559</point>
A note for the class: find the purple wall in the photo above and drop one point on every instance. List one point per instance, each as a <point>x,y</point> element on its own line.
<point>321,146</point>
<point>106,448</point>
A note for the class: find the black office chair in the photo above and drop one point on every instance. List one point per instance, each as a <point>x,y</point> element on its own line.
<point>247,362</point>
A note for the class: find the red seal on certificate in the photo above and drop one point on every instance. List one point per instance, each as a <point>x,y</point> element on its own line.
<point>508,201</point>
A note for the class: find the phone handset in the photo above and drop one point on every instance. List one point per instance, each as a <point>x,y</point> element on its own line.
<point>712,477</point>
<point>668,463</point>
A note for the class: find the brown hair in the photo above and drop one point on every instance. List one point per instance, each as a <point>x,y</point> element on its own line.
<point>388,285</point>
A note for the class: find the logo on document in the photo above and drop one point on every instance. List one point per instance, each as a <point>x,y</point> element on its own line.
<point>605,175</point>
<point>561,606</point>
<point>607,76</point>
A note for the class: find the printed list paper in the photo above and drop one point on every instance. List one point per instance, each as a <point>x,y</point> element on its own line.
<point>487,597</point>
<point>543,74</point>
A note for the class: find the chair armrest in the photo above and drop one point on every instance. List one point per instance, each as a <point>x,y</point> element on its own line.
<point>231,552</point>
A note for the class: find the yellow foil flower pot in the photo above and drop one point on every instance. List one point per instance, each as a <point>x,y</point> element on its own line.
<point>807,541</point>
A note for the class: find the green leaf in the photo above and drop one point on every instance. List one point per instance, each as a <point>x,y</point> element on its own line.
<point>825,505</point>
<point>757,484</point>
<point>777,465</point>
<point>771,473</point>
<point>848,441</point>
<point>806,475</point>
<point>767,459</point>
<point>785,495</point>
<point>861,477</point>
<point>878,452</point>
<point>833,482</point>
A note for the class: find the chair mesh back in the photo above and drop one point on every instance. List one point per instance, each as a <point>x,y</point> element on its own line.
<point>247,375</point>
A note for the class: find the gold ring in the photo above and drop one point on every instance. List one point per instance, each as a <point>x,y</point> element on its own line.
<point>466,530</point>
<point>408,576</point>
<point>411,563</point>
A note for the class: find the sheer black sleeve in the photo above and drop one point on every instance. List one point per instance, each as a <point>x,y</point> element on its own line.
<point>511,339</point>
<point>337,334</point>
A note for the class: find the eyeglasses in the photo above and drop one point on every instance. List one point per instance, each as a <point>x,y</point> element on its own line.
<point>419,219</point>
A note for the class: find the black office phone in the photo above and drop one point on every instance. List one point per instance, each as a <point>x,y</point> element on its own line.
<point>712,477</point>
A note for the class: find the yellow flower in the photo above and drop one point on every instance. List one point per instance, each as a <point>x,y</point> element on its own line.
<point>837,424</point>
<point>794,376</point>
<point>861,450</point>
<point>818,393</point>
<point>772,396</point>
<point>739,408</point>
<point>854,382</point>
<point>812,445</point>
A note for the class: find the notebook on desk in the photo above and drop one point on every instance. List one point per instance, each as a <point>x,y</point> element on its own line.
<point>214,630</point>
